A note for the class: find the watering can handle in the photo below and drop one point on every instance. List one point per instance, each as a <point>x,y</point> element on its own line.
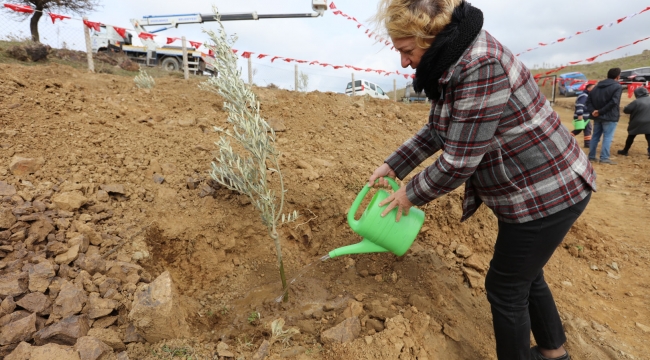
<point>357,202</point>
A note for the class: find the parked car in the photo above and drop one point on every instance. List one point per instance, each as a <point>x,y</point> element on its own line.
<point>412,96</point>
<point>569,84</point>
<point>635,75</point>
<point>364,87</point>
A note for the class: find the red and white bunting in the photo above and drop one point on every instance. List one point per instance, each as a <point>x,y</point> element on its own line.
<point>120,31</point>
<point>172,39</point>
<point>20,8</point>
<point>597,28</point>
<point>56,17</point>
<point>146,36</point>
<point>196,44</point>
<point>591,59</point>
<point>368,31</point>
<point>92,25</point>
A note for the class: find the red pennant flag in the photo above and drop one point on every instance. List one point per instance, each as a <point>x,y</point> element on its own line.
<point>591,59</point>
<point>359,26</point>
<point>368,70</point>
<point>210,52</point>
<point>171,40</point>
<point>412,76</point>
<point>324,64</point>
<point>621,20</point>
<point>92,25</point>
<point>246,54</point>
<point>288,59</point>
<point>234,51</point>
<point>120,31</point>
<point>20,8</point>
<point>313,63</point>
<point>56,17</point>
<point>560,40</point>
<point>367,31</point>
<point>275,58</point>
<point>600,27</point>
<point>195,44</point>
<point>337,12</point>
<point>261,56</point>
<point>332,6</point>
<point>646,9</point>
<point>337,67</point>
<point>146,36</point>
<point>406,76</point>
<point>302,61</point>
<point>575,62</point>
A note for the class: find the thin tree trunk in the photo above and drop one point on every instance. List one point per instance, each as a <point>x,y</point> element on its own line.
<point>33,24</point>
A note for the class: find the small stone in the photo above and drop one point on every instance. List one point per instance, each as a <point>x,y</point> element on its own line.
<point>102,196</point>
<point>113,189</point>
<point>36,302</point>
<point>192,183</point>
<point>69,256</point>
<point>644,328</point>
<point>6,189</point>
<point>64,332</point>
<point>69,201</point>
<point>91,348</point>
<point>19,330</point>
<point>7,219</point>
<point>598,327</point>
<point>451,332</point>
<point>109,336</point>
<point>222,350</point>
<point>346,331</point>
<point>567,283</point>
<point>263,351</point>
<point>463,251</point>
<point>158,179</point>
<point>24,166</point>
<point>186,122</point>
<point>473,262</point>
<point>593,267</point>
<point>475,279</point>
<point>206,190</point>
<point>13,284</point>
<point>368,340</point>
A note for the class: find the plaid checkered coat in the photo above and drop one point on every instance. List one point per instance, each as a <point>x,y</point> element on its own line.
<point>500,137</point>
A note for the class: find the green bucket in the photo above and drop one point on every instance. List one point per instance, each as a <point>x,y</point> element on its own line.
<point>580,124</point>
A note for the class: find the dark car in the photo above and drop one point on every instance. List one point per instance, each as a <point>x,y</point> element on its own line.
<point>635,75</point>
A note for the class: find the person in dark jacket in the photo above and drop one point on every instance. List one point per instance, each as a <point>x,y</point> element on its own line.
<point>603,104</point>
<point>581,116</point>
<point>639,111</point>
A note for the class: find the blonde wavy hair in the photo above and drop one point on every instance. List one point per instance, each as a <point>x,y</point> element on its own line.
<point>422,19</point>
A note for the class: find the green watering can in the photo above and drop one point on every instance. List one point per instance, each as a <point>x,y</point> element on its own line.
<point>580,124</point>
<point>381,234</point>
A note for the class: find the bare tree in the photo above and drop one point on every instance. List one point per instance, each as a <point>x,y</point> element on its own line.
<point>303,81</point>
<point>68,6</point>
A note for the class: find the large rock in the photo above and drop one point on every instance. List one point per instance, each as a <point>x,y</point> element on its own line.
<point>53,351</point>
<point>476,281</point>
<point>70,301</point>
<point>88,231</point>
<point>19,330</point>
<point>69,201</point>
<point>36,302</point>
<point>91,348</point>
<point>126,272</point>
<point>7,219</point>
<point>113,189</point>
<point>156,311</point>
<point>7,306</point>
<point>13,284</point>
<point>24,166</point>
<point>40,276</point>
<point>22,352</point>
<point>346,331</point>
<point>64,332</point>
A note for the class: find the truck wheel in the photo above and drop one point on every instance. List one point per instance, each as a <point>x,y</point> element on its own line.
<point>170,64</point>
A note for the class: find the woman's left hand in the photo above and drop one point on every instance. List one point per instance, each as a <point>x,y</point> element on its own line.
<point>397,200</point>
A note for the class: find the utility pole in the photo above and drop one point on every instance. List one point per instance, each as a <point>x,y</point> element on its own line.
<point>395,90</point>
<point>186,68</point>
<point>354,87</point>
<point>250,72</point>
<point>89,48</point>
<point>296,77</point>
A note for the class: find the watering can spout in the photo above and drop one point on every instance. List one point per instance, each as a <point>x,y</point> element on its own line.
<point>363,247</point>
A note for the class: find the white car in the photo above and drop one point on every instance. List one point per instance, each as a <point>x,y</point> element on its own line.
<point>364,87</point>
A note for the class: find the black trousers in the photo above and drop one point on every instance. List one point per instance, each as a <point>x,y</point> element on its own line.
<point>520,299</point>
<point>630,140</point>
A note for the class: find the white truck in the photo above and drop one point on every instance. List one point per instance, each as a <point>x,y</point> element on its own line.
<point>171,57</point>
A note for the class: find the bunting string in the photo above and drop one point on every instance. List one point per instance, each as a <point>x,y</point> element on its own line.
<point>597,28</point>
<point>360,25</point>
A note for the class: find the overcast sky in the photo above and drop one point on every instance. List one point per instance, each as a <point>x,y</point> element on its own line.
<point>333,39</point>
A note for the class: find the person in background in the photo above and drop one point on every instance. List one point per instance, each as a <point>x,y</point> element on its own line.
<point>639,111</point>
<point>500,138</point>
<point>581,116</point>
<point>603,103</point>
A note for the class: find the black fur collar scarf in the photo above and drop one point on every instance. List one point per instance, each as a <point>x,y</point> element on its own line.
<point>447,47</point>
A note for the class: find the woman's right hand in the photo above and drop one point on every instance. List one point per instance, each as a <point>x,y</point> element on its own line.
<point>380,172</point>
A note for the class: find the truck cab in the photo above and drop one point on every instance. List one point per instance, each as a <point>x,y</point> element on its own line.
<point>107,38</point>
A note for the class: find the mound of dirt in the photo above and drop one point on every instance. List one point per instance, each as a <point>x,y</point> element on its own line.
<point>107,203</point>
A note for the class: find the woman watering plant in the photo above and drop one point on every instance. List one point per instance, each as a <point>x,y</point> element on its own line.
<point>499,137</point>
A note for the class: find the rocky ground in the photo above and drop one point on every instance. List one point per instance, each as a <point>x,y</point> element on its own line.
<point>115,243</point>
